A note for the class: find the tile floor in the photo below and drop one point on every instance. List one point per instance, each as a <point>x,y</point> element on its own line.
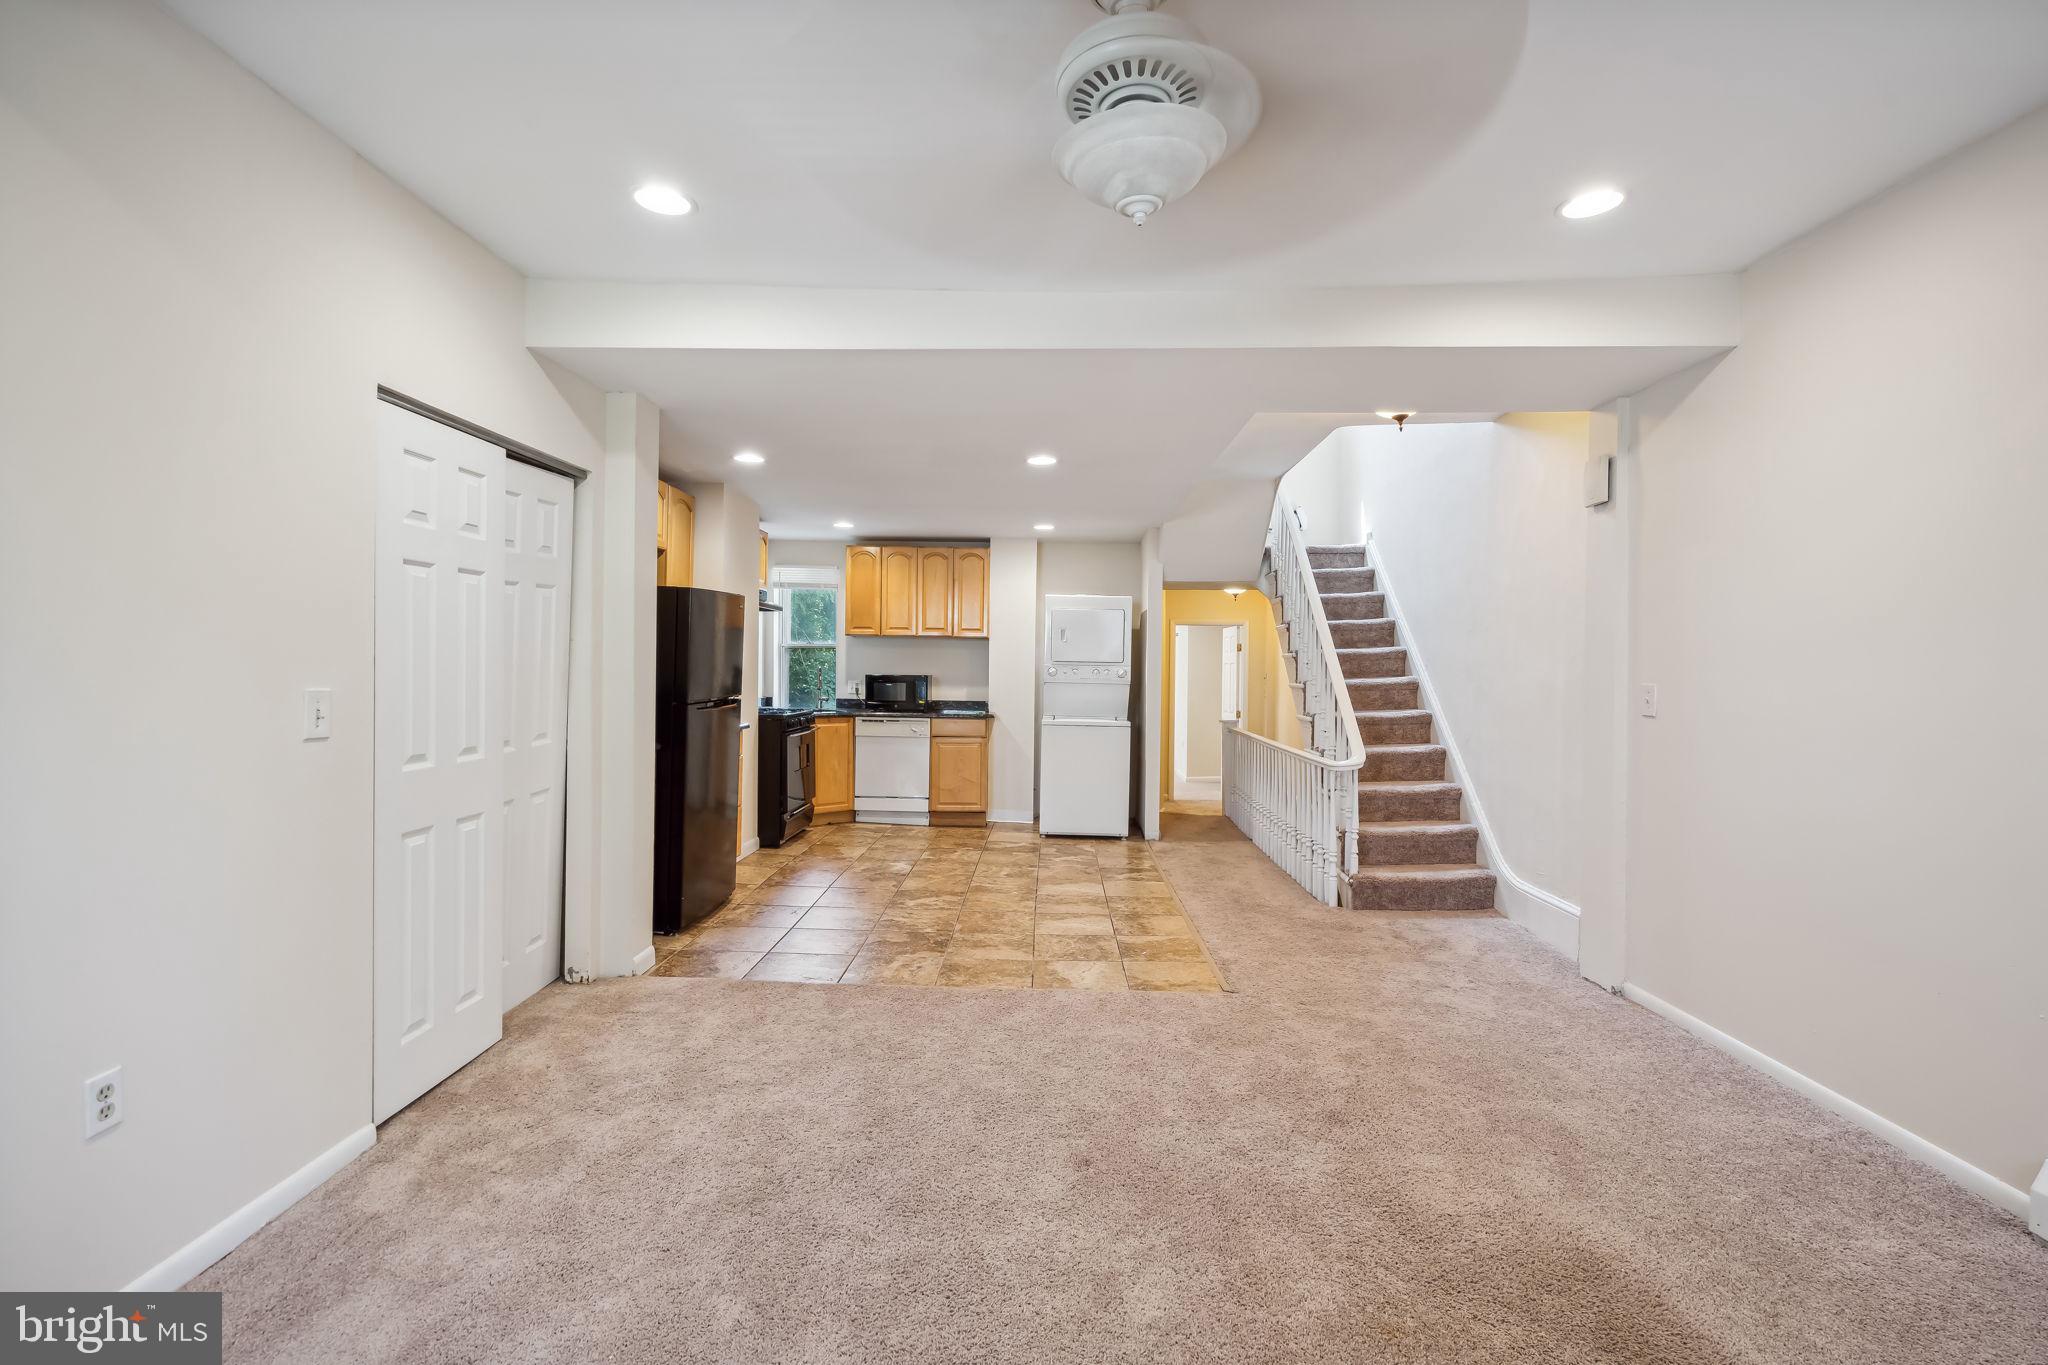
<point>914,906</point>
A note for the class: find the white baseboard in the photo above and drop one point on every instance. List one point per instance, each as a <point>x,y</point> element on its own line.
<point>1197,788</point>
<point>2037,1205</point>
<point>1553,921</point>
<point>1012,817</point>
<point>750,847</point>
<point>1979,1182</point>
<point>643,961</point>
<point>238,1227</point>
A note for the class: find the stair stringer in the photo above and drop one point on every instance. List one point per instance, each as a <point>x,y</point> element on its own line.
<point>1550,918</point>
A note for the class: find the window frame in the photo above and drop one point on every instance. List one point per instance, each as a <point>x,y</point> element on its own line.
<point>782,579</point>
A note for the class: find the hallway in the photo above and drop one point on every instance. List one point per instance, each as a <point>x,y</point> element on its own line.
<point>1400,1138</point>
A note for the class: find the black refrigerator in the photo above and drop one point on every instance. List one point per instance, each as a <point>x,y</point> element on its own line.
<point>700,643</point>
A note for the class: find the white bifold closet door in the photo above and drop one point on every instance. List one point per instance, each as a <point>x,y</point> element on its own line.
<point>537,529</point>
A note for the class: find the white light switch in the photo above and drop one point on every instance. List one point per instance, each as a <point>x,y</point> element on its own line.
<point>1646,699</point>
<point>319,712</point>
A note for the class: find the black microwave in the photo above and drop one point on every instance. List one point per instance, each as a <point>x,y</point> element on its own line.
<point>899,691</point>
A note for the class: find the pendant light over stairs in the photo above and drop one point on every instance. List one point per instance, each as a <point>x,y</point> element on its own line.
<point>1152,109</point>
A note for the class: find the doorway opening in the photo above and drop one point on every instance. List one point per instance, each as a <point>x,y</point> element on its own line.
<point>1208,694</point>
<point>474,549</point>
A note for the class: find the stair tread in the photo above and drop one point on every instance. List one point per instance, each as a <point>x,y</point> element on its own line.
<point>1396,713</point>
<point>1392,826</point>
<point>1409,748</point>
<point>1405,678</point>
<point>1372,649</point>
<point>1422,870</point>
<point>1432,786</point>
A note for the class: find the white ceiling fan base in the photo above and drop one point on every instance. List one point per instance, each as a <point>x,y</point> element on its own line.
<point>1140,158</point>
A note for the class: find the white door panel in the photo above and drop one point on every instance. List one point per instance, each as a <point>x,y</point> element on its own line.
<point>537,533</point>
<point>440,770</point>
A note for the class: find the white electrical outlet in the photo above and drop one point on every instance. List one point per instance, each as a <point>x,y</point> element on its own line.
<point>319,712</point>
<point>1646,699</point>
<point>105,1105</point>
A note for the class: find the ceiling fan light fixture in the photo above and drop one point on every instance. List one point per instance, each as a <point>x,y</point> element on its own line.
<point>1152,109</point>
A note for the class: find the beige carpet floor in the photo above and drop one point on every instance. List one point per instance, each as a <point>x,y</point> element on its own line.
<point>1415,1138</point>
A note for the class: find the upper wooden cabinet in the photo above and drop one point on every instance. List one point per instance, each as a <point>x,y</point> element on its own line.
<point>934,590</point>
<point>675,538</point>
<point>917,590</point>
<point>970,591</point>
<point>863,590</point>
<point>899,590</point>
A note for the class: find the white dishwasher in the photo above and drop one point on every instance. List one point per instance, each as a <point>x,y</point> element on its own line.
<point>892,769</point>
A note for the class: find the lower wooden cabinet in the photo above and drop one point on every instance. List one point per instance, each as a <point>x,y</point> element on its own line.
<point>832,765</point>
<point>959,767</point>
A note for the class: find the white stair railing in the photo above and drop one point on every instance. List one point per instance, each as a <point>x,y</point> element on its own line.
<point>1300,807</point>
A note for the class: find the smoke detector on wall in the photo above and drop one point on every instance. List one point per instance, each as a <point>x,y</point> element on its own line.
<point>1152,107</point>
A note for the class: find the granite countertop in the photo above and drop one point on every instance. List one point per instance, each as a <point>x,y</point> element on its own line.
<point>850,706</point>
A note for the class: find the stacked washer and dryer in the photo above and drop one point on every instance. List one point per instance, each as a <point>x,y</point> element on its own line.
<point>1084,750</point>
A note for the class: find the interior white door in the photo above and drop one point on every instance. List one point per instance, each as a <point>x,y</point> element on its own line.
<point>440,763</point>
<point>538,527</point>
<point>1232,690</point>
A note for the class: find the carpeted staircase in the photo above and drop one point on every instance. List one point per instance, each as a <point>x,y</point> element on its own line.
<point>1414,852</point>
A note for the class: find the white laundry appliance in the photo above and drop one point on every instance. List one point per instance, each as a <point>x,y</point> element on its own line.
<point>1084,750</point>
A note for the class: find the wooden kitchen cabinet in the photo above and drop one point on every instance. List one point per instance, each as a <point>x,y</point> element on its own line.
<point>899,590</point>
<point>675,536</point>
<point>917,590</point>
<point>959,785</point>
<point>832,766</point>
<point>970,591</point>
<point>863,590</point>
<point>934,590</point>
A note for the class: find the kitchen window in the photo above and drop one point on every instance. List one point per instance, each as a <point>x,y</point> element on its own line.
<point>805,641</point>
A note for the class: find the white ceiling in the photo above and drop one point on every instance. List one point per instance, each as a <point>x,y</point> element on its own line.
<point>906,143</point>
<point>933,443</point>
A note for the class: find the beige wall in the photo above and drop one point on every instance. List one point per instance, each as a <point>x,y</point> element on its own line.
<point>202,291</point>
<point>1839,593</point>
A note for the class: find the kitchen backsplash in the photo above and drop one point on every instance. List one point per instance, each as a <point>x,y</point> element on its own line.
<point>958,668</point>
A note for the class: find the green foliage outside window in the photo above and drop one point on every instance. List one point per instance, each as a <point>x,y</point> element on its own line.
<point>813,678</point>
<point>813,616</point>
<point>813,646</point>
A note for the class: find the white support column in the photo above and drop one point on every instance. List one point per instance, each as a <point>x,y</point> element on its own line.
<point>621,940</point>
<point>1603,853</point>
<point>1153,665</point>
<point>1013,680</point>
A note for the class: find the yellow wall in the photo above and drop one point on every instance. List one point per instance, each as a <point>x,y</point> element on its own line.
<point>1267,705</point>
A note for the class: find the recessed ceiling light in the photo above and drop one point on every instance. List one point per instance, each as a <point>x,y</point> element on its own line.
<point>1591,203</point>
<point>1234,592</point>
<point>1389,416</point>
<point>1043,460</point>
<point>842,526</point>
<point>663,199</point>
<point>1043,526</point>
<point>748,457</point>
